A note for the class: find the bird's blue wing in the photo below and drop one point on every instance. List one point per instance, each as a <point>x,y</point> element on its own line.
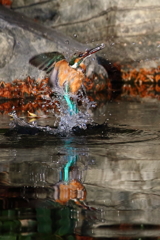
<point>45,61</point>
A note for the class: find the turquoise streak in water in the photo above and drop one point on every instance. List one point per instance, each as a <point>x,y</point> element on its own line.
<point>72,106</point>
<point>71,161</point>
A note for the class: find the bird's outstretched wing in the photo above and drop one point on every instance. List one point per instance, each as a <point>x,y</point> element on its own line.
<point>45,61</point>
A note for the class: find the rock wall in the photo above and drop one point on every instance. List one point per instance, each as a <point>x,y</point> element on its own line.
<point>22,38</point>
<point>130,29</point>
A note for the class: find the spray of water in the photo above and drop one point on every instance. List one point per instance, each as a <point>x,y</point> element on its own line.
<point>66,119</point>
<point>70,115</point>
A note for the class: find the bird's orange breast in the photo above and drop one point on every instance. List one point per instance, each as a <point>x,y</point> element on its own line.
<point>66,73</point>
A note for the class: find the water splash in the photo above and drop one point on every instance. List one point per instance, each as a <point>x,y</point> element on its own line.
<point>70,115</point>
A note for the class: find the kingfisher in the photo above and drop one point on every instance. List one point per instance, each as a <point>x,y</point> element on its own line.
<point>65,77</point>
<point>61,72</point>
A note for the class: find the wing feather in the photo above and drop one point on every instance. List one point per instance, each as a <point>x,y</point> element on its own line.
<point>46,61</point>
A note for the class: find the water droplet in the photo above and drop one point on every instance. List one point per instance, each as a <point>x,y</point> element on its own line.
<point>45,34</point>
<point>102,45</point>
<point>67,41</point>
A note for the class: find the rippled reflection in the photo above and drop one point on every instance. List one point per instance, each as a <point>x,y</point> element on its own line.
<point>99,185</point>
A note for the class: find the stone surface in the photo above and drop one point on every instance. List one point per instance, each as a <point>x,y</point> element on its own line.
<point>25,39</point>
<point>129,29</point>
<point>16,62</point>
<point>6,47</point>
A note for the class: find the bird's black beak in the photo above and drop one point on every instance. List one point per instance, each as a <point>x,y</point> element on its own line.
<point>91,51</point>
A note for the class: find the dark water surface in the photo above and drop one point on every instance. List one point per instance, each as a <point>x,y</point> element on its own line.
<point>112,187</point>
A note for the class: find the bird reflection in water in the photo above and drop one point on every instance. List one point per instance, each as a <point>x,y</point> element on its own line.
<point>69,187</point>
<point>53,210</point>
